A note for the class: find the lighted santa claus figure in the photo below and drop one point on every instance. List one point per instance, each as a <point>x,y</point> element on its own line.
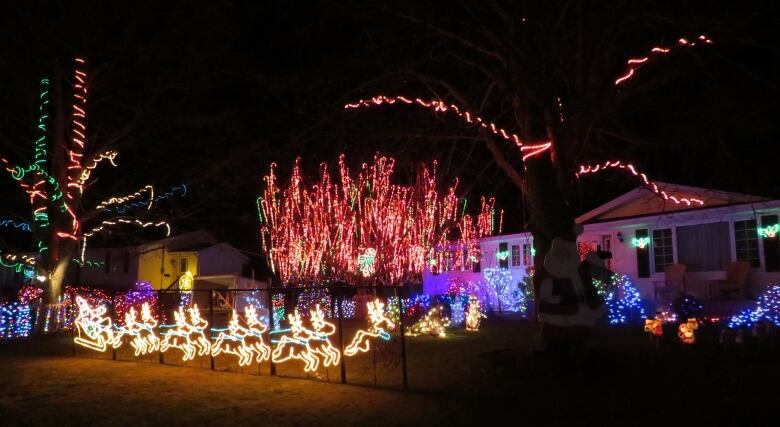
<point>569,303</point>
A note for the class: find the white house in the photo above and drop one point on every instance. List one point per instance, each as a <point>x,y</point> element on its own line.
<point>728,227</point>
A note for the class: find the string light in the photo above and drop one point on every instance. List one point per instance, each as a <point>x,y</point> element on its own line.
<point>332,230</point>
<point>245,342</point>
<point>87,169</point>
<point>687,331</point>
<point>433,323</point>
<point>148,189</point>
<point>95,330</point>
<point>502,255</point>
<point>322,346</point>
<point>366,262</point>
<point>307,345</point>
<point>29,293</point>
<point>144,339</point>
<point>20,225</point>
<point>474,314</point>
<point>528,150</point>
<point>499,283</point>
<point>635,63</point>
<point>277,303</point>
<point>623,300</point>
<point>380,324</point>
<point>767,309</point>
<point>768,232</point>
<point>46,192</point>
<point>655,325</point>
<point>641,242</point>
<point>143,293</point>
<point>653,186</point>
<point>186,335</point>
<point>15,320</point>
<point>179,191</point>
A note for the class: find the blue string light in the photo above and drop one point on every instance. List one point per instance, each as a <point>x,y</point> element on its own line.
<point>767,308</point>
<point>623,301</point>
<point>19,225</point>
<point>15,321</point>
<point>180,191</point>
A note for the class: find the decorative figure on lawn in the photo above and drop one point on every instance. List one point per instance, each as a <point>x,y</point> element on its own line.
<point>244,342</point>
<point>187,336</point>
<point>569,303</point>
<point>474,315</point>
<point>655,326</point>
<point>686,331</point>
<point>379,321</point>
<point>296,345</point>
<point>145,340</point>
<point>433,324</point>
<point>321,343</point>
<point>94,328</point>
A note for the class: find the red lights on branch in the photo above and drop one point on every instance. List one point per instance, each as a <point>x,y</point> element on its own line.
<point>635,63</point>
<point>588,169</point>
<point>322,231</point>
<point>528,150</point>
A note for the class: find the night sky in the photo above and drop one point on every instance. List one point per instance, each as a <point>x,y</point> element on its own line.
<point>210,93</point>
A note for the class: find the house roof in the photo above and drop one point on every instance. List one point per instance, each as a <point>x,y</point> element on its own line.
<point>642,201</point>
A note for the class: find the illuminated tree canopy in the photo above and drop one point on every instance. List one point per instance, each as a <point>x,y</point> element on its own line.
<point>365,227</point>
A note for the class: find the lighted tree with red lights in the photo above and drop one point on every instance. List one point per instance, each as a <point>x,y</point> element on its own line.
<point>364,227</point>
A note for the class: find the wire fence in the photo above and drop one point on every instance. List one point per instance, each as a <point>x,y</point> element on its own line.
<point>350,335</point>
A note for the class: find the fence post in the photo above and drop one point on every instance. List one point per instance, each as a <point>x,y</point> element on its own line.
<point>271,328</point>
<point>113,321</point>
<point>404,376</point>
<point>159,324</point>
<point>342,365</point>
<point>72,332</point>
<point>211,325</point>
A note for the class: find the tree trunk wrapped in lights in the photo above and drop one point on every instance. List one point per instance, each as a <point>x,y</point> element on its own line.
<point>56,180</point>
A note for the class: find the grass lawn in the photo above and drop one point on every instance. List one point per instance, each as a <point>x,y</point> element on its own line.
<point>464,379</point>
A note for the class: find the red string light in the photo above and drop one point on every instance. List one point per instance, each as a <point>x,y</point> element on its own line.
<point>318,232</point>
<point>635,63</point>
<point>588,169</point>
<point>528,150</point>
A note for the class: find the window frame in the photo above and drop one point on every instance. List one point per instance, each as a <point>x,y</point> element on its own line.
<point>672,245</point>
<point>755,237</point>
<point>516,255</point>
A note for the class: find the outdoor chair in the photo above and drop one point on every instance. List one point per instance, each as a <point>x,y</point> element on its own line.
<point>737,275</point>
<point>674,283</point>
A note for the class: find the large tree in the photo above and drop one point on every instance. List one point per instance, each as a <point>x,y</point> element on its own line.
<point>55,179</point>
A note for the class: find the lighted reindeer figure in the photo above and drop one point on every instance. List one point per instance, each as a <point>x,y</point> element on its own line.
<point>321,342</point>
<point>187,336</point>
<point>145,340</point>
<point>246,343</point>
<point>361,341</point>
<point>94,327</point>
<point>296,346</point>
